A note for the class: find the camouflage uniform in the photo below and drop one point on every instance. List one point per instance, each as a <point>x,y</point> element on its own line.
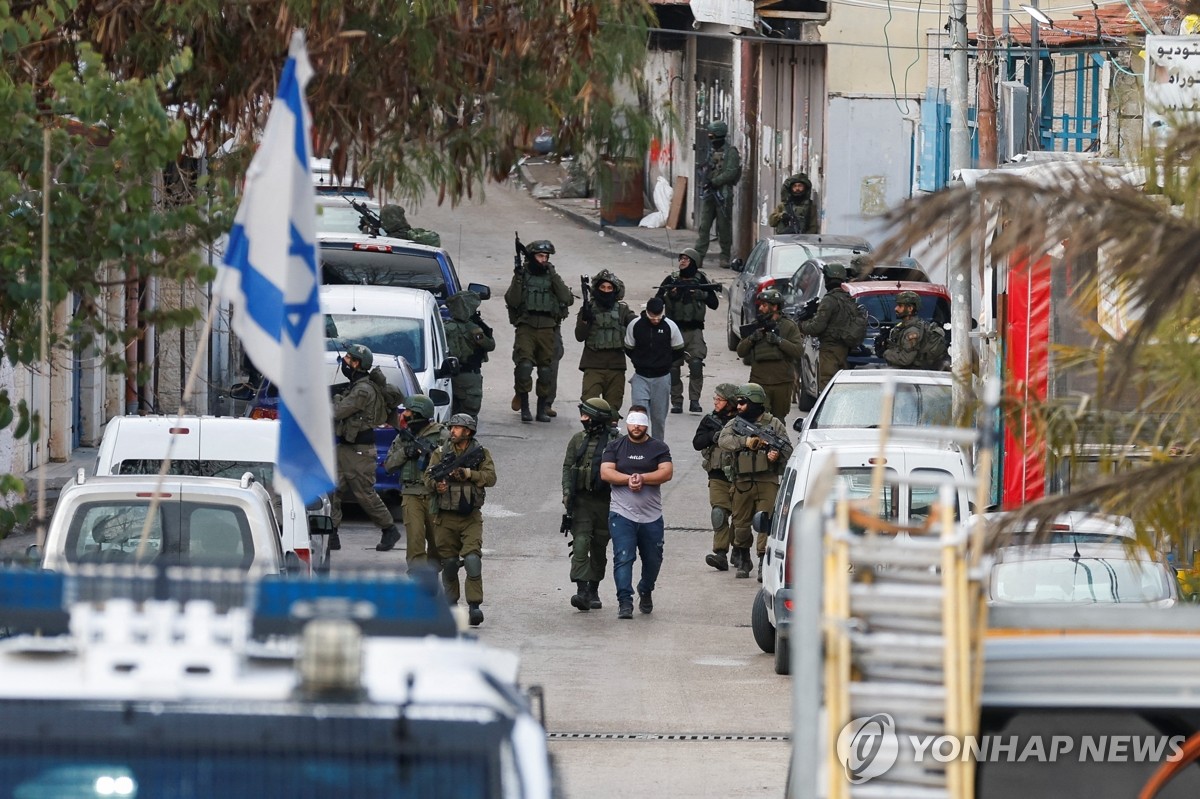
<point>586,496</point>
<point>458,522</point>
<point>771,358</point>
<point>915,343</point>
<point>686,307</point>
<point>469,340</point>
<point>835,315</point>
<point>795,214</point>
<point>722,170</point>
<point>716,462</point>
<point>354,415</point>
<point>602,331</point>
<point>537,301</point>
<point>416,500</point>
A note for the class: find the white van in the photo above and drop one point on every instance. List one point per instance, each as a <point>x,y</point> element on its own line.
<point>923,462</point>
<point>218,446</point>
<point>393,323</point>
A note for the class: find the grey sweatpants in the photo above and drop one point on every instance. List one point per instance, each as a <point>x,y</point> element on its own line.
<point>655,394</point>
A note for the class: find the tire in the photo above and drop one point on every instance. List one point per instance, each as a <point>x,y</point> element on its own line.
<point>783,654</point>
<point>731,338</point>
<point>760,624</point>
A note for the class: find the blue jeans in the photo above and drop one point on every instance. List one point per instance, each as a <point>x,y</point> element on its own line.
<point>630,539</point>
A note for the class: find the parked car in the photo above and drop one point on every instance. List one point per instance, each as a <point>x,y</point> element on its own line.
<point>879,299</point>
<point>903,503</point>
<point>1080,573</point>
<point>217,446</point>
<point>771,264</point>
<point>335,214</point>
<point>358,259</point>
<point>852,403</point>
<point>199,521</point>
<point>1081,527</point>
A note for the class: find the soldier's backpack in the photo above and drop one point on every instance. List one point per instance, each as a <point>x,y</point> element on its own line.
<point>389,398</point>
<point>933,349</point>
<point>855,328</point>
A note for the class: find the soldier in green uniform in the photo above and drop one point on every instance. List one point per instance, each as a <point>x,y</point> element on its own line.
<point>797,210</point>
<point>771,352</point>
<point>406,456</point>
<point>914,343</point>
<point>754,470</point>
<point>537,301</point>
<point>457,520</point>
<point>832,324</point>
<point>470,340</point>
<point>686,304</point>
<point>600,325</point>
<point>585,499</point>
<point>722,170</point>
<point>356,412</point>
<point>715,462</point>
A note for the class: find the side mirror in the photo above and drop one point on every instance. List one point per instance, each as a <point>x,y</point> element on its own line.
<point>761,522</point>
<point>33,554</point>
<point>440,398</point>
<point>798,424</point>
<point>484,292</point>
<point>737,265</point>
<point>320,525</point>
<point>449,368</point>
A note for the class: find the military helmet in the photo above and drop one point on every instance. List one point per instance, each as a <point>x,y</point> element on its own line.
<point>696,257</point>
<point>366,359</point>
<point>598,409</point>
<point>834,271</point>
<point>771,296</point>
<point>726,391</point>
<point>718,130</point>
<point>541,245</point>
<point>419,404</point>
<point>752,392</point>
<point>908,298</point>
<point>463,420</point>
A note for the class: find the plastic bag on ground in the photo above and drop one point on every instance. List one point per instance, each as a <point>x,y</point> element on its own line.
<point>663,193</point>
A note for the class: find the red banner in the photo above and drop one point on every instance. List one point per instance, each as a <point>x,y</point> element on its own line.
<point>1027,366</point>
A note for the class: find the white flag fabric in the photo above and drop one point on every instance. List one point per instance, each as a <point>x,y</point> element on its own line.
<point>269,276</point>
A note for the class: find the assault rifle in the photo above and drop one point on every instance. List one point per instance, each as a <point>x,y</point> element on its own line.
<point>520,256</point>
<point>742,427</point>
<point>690,286</point>
<point>807,310</point>
<point>586,289</point>
<point>423,446</point>
<point>471,459</point>
<point>368,221</point>
<point>747,330</point>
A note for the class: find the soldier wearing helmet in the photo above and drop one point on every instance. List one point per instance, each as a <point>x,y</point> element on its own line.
<point>772,351</point>
<point>457,517</point>
<point>914,343</point>
<point>754,471</point>
<point>600,325</point>
<point>418,434</point>
<point>715,461</point>
<point>470,340</point>
<point>688,294</point>
<point>797,210</point>
<point>834,318</point>
<point>357,411</point>
<point>585,501</point>
<point>537,302</point>
<point>718,176</point>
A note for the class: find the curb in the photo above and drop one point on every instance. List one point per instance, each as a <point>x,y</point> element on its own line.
<point>609,230</point>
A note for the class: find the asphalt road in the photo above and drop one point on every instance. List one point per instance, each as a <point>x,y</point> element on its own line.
<point>680,703</point>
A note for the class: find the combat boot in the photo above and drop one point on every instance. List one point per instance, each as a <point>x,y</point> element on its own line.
<point>516,402</point>
<point>744,564</point>
<point>550,409</point>
<point>718,561</point>
<point>695,407</point>
<point>334,541</point>
<point>523,406</point>
<point>388,540</point>
<point>677,407</point>
<point>625,609</point>
<point>760,560</point>
<point>735,557</point>
<point>474,614</point>
<point>582,598</point>
<point>594,595</point>
<point>541,411</point>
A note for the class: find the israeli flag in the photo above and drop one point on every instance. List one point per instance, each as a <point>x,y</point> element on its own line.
<point>269,276</point>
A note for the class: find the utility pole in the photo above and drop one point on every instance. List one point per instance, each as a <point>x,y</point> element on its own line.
<point>959,269</point>
<point>986,49</point>
<point>1035,82</point>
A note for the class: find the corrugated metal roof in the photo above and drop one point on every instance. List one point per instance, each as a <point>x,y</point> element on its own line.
<point>1116,20</point>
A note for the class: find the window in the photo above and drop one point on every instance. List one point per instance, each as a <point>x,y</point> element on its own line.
<point>111,533</point>
<point>922,499</point>
<point>1080,581</point>
<point>806,283</point>
<point>861,405</point>
<point>779,516</point>
<point>418,270</point>
<point>264,473</point>
<point>858,482</point>
<point>201,533</point>
<point>389,335</point>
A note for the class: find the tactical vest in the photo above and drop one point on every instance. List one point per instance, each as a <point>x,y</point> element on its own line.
<point>713,458</point>
<point>461,497</point>
<point>692,309</point>
<point>358,428</point>
<point>414,468</point>
<point>749,463</point>
<point>539,295</point>
<point>764,351</point>
<point>607,332</point>
<point>460,339</point>
<point>585,469</point>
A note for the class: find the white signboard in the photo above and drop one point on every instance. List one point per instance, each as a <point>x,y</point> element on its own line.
<point>735,13</point>
<point>1172,83</point>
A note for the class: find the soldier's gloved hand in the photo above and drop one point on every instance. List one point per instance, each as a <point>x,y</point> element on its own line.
<point>412,451</point>
<point>566,500</point>
<point>754,442</point>
<point>464,474</point>
<point>880,345</point>
<point>773,337</point>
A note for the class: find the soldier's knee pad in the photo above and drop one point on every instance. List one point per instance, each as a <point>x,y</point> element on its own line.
<point>450,569</point>
<point>473,564</point>
<point>696,368</point>
<point>719,518</point>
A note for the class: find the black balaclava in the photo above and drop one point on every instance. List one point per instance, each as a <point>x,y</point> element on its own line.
<point>605,299</point>
<point>535,267</point>
<point>690,270</point>
<point>752,412</point>
<point>350,371</point>
<point>417,423</point>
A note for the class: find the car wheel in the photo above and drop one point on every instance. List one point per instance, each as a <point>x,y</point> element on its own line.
<point>731,338</point>
<point>760,623</point>
<point>783,654</point>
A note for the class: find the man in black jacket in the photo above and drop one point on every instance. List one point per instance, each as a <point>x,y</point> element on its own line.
<point>715,462</point>
<point>653,342</point>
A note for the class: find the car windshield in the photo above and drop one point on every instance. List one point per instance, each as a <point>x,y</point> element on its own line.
<point>785,260</point>
<point>405,269</point>
<point>1079,581</point>
<point>882,307</point>
<point>861,405</point>
<point>340,218</point>
<point>382,335</point>
<point>264,473</point>
<point>191,533</point>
